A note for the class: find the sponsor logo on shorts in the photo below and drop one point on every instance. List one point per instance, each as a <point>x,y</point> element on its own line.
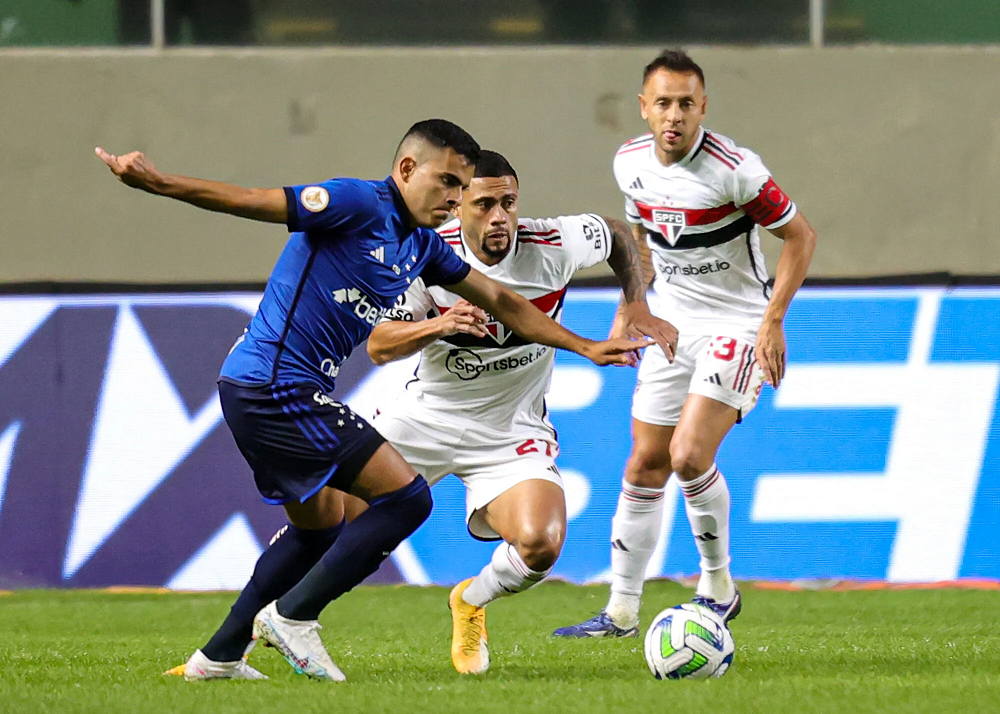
<point>467,365</point>
<point>325,401</point>
<point>314,198</point>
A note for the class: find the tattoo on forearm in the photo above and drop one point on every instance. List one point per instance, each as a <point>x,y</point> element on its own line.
<point>626,261</point>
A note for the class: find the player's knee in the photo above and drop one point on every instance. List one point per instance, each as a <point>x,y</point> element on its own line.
<point>689,460</point>
<point>649,468</point>
<point>422,503</point>
<point>412,504</point>
<point>539,548</point>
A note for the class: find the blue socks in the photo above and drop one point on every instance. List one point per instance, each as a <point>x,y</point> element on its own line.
<point>291,554</point>
<point>361,548</point>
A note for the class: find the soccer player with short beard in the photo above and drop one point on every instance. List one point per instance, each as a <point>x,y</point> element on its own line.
<point>355,247</point>
<point>476,407</point>
<point>695,200</point>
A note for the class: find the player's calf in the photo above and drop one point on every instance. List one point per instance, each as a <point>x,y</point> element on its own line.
<point>706,501</point>
<point>359,550</point>
<point>634,531</point>
<point>531,518</point>
<point>291,553</point>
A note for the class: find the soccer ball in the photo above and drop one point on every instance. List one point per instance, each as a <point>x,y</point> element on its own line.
<point>688,641</point>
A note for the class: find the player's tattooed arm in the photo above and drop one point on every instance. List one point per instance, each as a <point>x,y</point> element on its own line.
<point>534,325</point>
<point>793,264</point>
<point>398,339</point>
<point>633,319</point>
<point>260,204</point>
<point>626,261</point>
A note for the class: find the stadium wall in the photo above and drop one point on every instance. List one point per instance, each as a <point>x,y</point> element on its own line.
<point>893,153</point>
<point>878,458</point>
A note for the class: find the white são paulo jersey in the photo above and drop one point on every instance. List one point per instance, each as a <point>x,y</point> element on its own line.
<point>500,381</point>
<point>701,215</point>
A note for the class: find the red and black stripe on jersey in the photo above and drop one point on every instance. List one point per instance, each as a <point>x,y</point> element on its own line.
<point>452,236</point>
<point>699,217</point>
<point>708,239</point>
<point>550,237</point>
<point>551,304</point>
<point>714,146</point>
<point>637,144</point>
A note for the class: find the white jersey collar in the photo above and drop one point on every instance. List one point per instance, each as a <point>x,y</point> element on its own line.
<point>699,141</point>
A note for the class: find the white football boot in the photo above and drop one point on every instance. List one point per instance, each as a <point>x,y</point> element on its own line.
<point>298,642</point>
<point>200,667</point>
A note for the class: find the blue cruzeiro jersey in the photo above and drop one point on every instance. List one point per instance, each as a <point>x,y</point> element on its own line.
<point>352,253</point>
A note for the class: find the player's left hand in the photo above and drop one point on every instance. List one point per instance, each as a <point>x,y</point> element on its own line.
<point>637,322</point>
<point>617,352</point>
<point>770,350</point>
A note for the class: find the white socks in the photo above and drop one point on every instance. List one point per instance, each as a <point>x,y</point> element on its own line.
<point>504,575</point>
<point>706,500</point>
<point>634,532</point>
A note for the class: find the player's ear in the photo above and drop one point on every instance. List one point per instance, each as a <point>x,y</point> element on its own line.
<point>407,166</point>
<point>642,107</point>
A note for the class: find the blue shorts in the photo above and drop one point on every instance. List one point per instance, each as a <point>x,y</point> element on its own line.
<point>297,439</point>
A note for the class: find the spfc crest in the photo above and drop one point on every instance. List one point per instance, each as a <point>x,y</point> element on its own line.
<point>670,222</point>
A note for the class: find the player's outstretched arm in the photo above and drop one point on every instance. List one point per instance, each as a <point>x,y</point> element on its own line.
<point>398,339</point>
<point>793,264</point>
<point>259,204</point>
<point>634,319</point>
<point>535,326</point>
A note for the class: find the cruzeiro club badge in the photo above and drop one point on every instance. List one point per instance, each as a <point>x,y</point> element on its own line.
<point>671,223</point>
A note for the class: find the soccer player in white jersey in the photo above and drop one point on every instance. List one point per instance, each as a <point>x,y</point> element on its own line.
<point>695,200</point>
<point>476,407</point>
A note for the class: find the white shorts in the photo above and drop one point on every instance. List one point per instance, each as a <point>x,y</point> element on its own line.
<point>488,462</point>
<point>721,368</point>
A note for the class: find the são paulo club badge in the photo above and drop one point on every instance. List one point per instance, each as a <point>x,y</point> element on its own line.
<point>670,222</point>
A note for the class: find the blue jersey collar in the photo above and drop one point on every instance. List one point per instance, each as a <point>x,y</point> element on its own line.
<point>397,199</point>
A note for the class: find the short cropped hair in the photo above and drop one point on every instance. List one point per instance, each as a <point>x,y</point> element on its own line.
<point>493,165</point>
<point>673,61</point>
<point>444,135</point>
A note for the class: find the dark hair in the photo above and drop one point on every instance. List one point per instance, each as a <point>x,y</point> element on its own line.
<point>673,61</point>
<point>493,165</point>
<point>444,135</point>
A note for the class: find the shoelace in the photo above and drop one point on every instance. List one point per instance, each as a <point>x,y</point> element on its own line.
<point>471,636</point>
<point>312,633</point>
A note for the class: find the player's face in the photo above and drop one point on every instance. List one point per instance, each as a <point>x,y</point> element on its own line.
<point>433,184</point>
<point>673,104</point>
<point>489,214</point>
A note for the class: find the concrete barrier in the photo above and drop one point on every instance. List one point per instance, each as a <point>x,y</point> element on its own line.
<point>892,153</point>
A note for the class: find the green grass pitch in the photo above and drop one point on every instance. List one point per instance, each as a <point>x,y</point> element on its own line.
<point>883,651</point>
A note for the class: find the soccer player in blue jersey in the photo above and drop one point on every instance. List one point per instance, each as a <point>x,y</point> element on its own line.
<point>355,248</point>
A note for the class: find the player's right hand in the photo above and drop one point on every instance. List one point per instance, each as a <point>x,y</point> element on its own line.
<point>636,321</point>
<point>132,169</point>
<point>464,317</point>
<point>617,331</point>
<point>619,351</point>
